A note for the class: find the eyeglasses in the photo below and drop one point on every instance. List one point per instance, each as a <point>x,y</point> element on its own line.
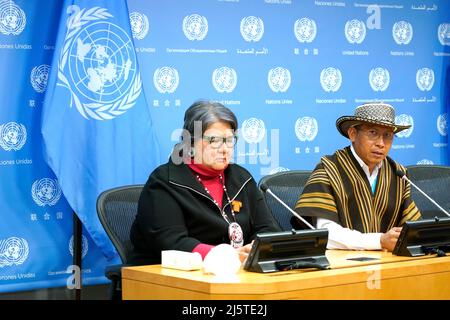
<point>374,135</point>
<point>217,142</point>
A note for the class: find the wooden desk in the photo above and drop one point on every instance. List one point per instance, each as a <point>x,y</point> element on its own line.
<point>391,277</point>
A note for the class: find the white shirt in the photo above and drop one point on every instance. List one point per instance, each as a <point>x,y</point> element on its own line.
<point>345,238</point>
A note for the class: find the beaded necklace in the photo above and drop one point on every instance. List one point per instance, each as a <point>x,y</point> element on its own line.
<point>235,232</point>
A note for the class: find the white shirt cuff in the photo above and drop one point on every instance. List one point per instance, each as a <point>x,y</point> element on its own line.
<point>345,238</point>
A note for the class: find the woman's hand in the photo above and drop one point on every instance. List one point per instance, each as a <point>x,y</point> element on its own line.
<point>244,251</point>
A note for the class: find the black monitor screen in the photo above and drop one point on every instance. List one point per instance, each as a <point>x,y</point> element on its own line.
<point>423,237</point>
<point>277,251</point>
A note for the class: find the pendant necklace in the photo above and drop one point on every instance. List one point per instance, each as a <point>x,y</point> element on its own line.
<point>235,232</point>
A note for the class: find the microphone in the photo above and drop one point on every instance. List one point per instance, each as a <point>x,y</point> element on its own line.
<point>265,188</point>
<point>402,175</point>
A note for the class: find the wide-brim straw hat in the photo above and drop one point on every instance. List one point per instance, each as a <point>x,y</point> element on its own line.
<point>379,113</point>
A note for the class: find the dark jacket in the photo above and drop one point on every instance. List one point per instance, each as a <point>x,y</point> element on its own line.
<point>175,212</point>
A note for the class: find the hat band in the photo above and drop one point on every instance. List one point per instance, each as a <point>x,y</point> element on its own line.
<point>378,117</point>
<point>378,120</point>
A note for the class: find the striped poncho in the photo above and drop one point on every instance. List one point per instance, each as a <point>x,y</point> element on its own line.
<point>339,190</point>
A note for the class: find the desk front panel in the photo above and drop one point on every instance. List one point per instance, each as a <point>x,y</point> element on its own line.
<point>390,277</point>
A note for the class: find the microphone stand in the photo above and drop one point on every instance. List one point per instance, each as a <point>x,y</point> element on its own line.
<point>292,211</point>
<point>403,176</point>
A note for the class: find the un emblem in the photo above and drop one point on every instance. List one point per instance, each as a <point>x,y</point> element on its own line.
<point>252,28</point>
<point>379,79</point>
<point>425,79</point>
<point>306,128</point>
<point>12,18</point>
<point>84,246</point>
<point>195,27</point>
<point>425,161</point>
<point>166,79</point>
<point>442,124</point>
<point>12,136</point>
<point>444,34</point>
<point>331,79</point>
<point>402,32</point>
<point>98,65</point>
<point>224,79</point>
<point>39,77</point>
<point>139,25</point>
<point>45,192</point>
<point>406,120</point>
<point>355,31</point>
<point>253,130</point>
<point>13,251</point>
<point>305,30</point>
<point>279,79</point>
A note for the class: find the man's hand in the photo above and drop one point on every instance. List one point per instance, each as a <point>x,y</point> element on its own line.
<point>389,239</point>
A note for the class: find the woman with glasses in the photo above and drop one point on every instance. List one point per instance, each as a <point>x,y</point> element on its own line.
<point>355,193</point>
<point>199,199</point>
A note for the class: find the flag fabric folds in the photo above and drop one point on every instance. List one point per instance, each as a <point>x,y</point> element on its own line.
<point>96,126</point>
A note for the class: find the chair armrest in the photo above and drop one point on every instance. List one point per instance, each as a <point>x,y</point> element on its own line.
<point>114,272</point>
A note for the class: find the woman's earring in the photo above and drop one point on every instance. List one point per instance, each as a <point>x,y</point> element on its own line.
<point>192,152</point>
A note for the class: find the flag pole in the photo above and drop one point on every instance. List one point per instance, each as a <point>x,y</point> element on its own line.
<point>77,252</point>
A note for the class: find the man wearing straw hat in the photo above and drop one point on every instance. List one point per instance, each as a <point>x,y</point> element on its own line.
<point>355,193</point>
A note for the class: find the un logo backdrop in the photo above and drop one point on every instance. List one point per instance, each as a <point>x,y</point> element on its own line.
<point>288,69</point>
<point>296,67</point>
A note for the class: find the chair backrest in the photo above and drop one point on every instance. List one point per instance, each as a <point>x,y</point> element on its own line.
<point>116,209</point>
<point>434,180</point>
<point>288,186</point>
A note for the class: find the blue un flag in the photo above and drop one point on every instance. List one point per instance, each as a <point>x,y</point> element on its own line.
<point>96,126</point>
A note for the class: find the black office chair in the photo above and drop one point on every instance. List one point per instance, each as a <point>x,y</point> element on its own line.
<point>116,209</point>
<point>434,180</point>
<point>288,186</point>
